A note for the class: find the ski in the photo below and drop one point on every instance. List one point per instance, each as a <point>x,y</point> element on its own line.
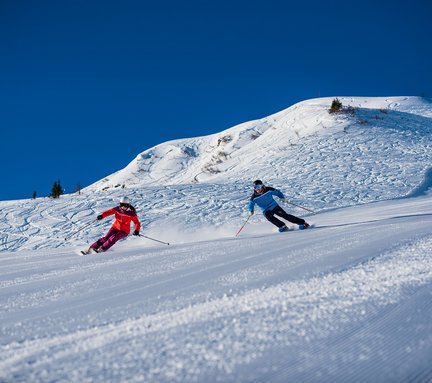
<point>288,229</point>
<point>91,251</point>
<point>310,226</point>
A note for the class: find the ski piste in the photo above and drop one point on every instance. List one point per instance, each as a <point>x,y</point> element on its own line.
<point>288,229</point>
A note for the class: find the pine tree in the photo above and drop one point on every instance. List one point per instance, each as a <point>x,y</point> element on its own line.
<point>56,190</point>
<point>336,106</point>
<point>60,189</point>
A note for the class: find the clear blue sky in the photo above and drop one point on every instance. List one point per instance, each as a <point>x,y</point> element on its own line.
<point>87,85</point>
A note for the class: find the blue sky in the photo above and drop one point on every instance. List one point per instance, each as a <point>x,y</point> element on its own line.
<point>85,86</point>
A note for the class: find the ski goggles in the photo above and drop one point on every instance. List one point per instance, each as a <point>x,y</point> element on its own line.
<point>256,187</point>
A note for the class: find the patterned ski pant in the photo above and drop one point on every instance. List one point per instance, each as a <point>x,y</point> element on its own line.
<point>270,215</point>
<point>109,239</point>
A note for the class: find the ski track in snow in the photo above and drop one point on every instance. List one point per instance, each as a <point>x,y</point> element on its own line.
<point>348,300</point>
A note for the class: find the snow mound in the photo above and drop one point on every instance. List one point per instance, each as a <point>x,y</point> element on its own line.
<point>424,187</point>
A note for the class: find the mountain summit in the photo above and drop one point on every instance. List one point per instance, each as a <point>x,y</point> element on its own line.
<point>371,142</point>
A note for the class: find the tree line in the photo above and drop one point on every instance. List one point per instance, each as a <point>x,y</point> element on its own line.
<point>57,190</point>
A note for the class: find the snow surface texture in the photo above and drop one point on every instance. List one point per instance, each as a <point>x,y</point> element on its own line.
<point>384,142</point>
<point>349,300</point>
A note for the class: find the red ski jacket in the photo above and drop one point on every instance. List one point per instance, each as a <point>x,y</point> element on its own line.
<point>123,218</point>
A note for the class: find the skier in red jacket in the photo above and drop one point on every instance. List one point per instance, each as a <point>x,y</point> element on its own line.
<point>124,214</point>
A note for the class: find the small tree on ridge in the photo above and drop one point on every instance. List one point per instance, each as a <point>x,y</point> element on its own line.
<point>336,106</point>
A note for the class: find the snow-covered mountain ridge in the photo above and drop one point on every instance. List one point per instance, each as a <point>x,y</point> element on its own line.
<point>302,133</point>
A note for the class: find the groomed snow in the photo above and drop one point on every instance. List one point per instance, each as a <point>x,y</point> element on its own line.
<point>349,300</point>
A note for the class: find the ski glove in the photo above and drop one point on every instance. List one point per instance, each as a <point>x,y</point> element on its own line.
<point>99,217</point>
<point>251,213</point>
<point>136,232</point>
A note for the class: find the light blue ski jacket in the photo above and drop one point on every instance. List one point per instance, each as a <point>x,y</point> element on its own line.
<point>265,200</point>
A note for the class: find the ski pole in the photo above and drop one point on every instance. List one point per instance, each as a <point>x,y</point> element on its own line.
<point>243,225</point>
<point>302,207</point>
<point>152,239</point>
<point>77,231</point>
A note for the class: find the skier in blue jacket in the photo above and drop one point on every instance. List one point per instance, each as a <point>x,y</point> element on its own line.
<point>263,197</point>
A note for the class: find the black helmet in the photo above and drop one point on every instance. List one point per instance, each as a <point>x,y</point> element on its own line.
<point>258,182</point>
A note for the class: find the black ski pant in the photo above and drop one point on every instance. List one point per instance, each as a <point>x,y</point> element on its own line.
<point>270,215</point>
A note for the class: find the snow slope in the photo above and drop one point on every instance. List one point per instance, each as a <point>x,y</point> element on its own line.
<point>342,148</point>
<point>349,300</point>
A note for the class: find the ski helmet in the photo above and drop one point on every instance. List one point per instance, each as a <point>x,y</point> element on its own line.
<point>258,182</point>
<point>125,201</point>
